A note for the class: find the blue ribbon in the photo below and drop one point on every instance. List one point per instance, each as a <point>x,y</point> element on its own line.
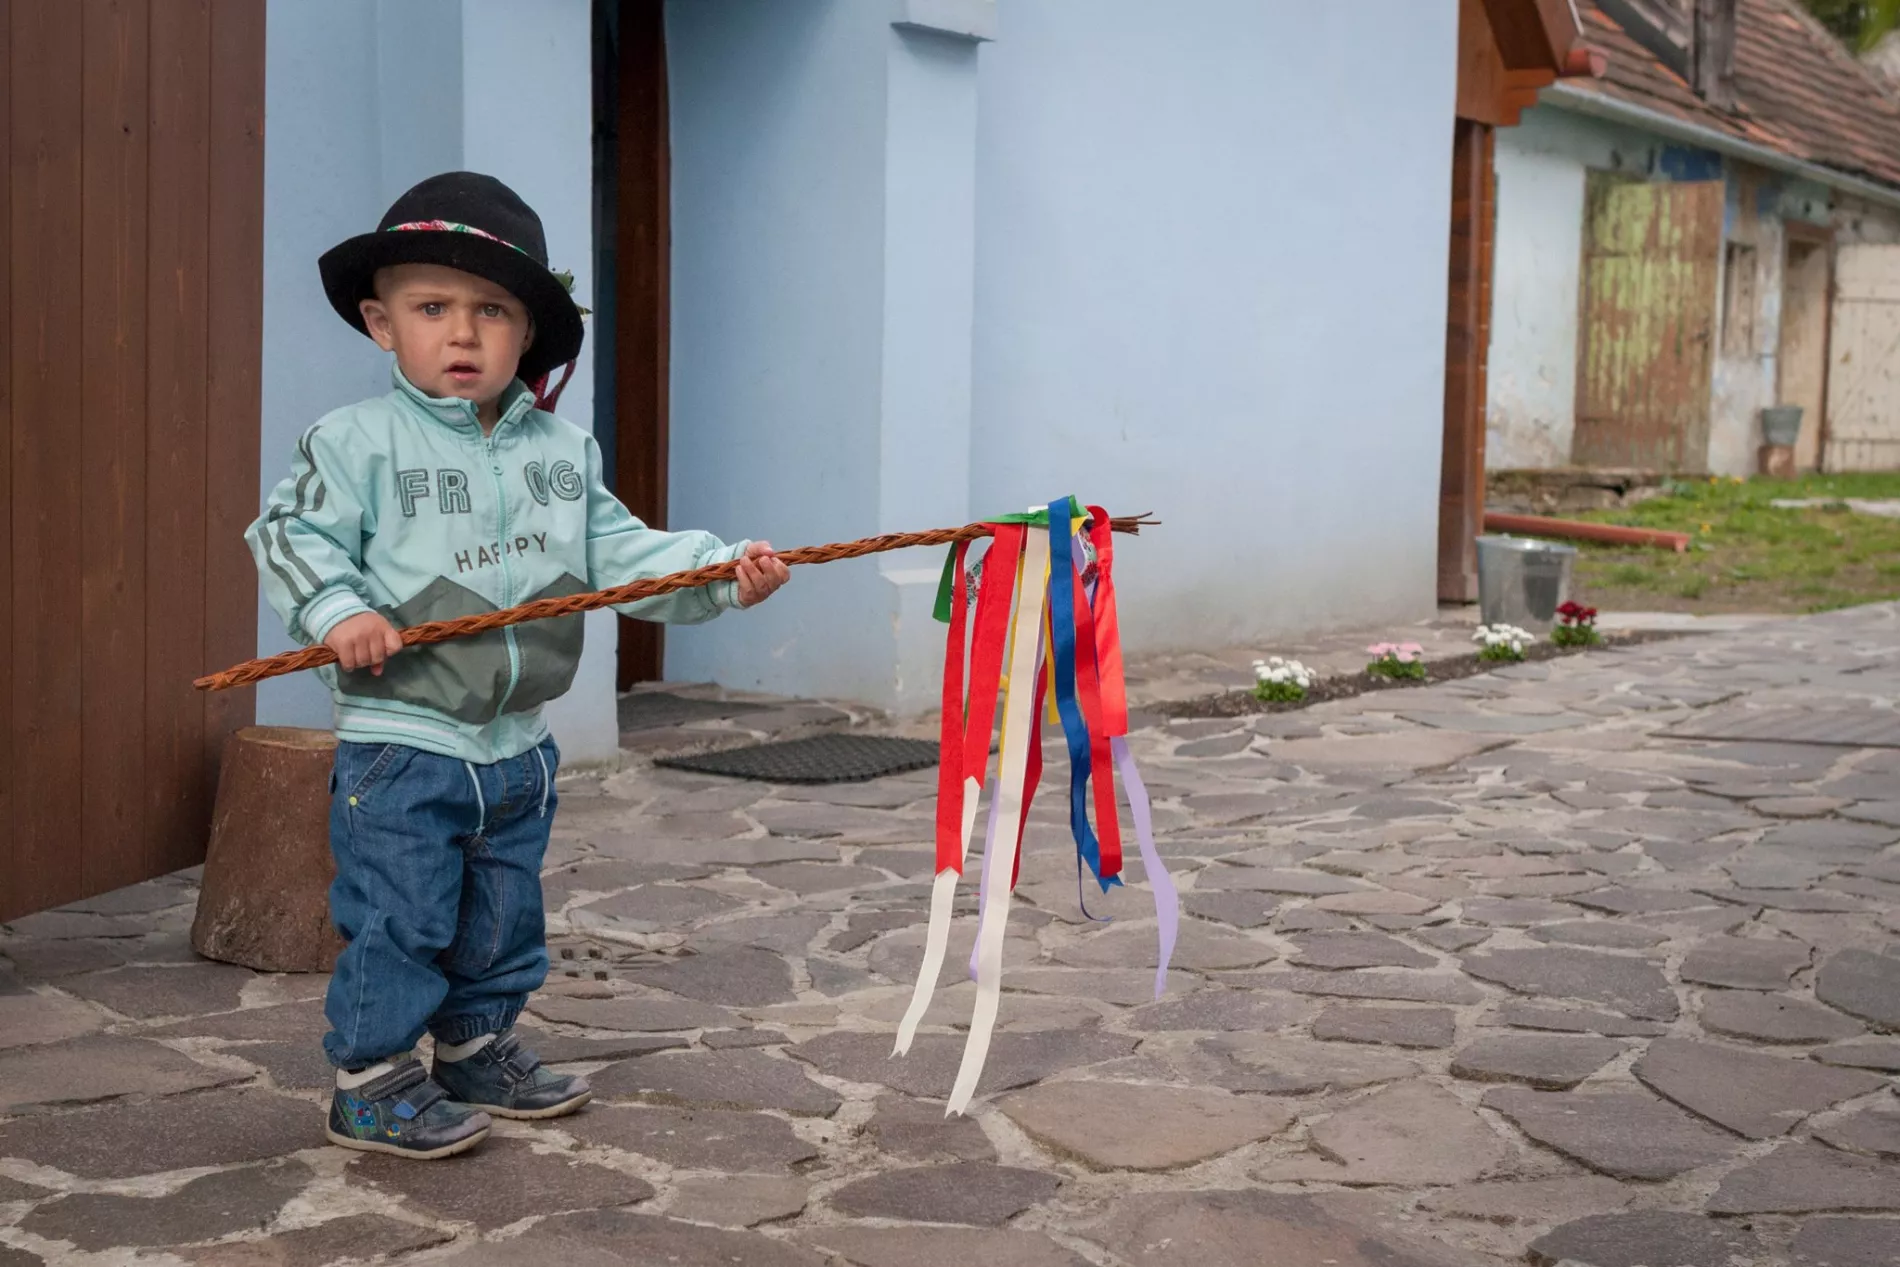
<point>1074,727</point>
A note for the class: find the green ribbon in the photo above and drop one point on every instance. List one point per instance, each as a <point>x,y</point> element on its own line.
<point>1037,518</point>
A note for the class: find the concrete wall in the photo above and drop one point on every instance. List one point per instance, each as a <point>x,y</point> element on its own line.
<point>363,99</point>
<point>1188,293</point>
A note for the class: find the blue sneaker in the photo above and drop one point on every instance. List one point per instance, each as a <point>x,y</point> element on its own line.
<point>404,1112</point>
<point>508,1080</point>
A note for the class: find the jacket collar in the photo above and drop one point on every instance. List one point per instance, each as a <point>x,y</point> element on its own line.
<point>516,402</point>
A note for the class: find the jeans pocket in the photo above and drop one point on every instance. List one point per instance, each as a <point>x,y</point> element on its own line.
<point>384,766</point>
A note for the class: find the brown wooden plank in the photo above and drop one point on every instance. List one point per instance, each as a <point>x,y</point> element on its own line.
<point>112,443</point>
<point>1461,470</point>
<point>1532,34</point>
<point>234,321</point>
<point>48,493</point>
<point>177,805</point>
<point>11,863</point>
<point>642,299</point>
<point>1481,67</point>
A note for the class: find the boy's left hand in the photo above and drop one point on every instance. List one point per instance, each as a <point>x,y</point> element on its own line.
<point>760,574</point>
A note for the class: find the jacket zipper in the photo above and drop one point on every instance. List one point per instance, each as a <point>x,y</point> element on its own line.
<point>507,578</point>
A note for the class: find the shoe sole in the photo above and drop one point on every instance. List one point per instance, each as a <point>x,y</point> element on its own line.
<point>536,1115</point>
<point>396,1150</point>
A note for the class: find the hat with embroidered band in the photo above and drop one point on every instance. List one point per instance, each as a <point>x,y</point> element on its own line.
<point>477,224</point>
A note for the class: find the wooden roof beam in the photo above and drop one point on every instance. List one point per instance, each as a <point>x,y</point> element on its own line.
<point>1533,34</point>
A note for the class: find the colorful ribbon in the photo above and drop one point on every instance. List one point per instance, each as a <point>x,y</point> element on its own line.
<point>1046,634</point>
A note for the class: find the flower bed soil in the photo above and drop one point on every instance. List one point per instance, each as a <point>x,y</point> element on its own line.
<point>1243,703</point>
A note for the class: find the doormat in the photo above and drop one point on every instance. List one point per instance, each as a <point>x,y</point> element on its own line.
<point>1835,727</point>
<point>818,759</point>
<point>650,710</point>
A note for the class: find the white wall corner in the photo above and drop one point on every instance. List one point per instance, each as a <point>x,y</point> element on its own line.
<point>965,19</point>
<point>916,684</point>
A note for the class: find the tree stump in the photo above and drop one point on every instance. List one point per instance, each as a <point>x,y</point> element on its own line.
<point>265,902</point>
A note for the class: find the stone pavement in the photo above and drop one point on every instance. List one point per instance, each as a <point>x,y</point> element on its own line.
<point>1492,972</point>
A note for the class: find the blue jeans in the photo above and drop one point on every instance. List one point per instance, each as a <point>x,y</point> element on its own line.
<point>438,890</point>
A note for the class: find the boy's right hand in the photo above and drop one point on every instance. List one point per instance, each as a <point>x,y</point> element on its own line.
<point>364,642</point>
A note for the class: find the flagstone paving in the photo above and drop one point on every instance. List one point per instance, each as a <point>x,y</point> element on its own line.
<point>1500,971</point>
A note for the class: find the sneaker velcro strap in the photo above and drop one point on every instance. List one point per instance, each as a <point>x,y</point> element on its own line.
<point>422,1101</point>
<point>396,1081</point>
<point>513,1057</point>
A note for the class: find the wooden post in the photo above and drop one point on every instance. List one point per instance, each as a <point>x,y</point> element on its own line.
<point>265,900</point>
<point>1467,343</point>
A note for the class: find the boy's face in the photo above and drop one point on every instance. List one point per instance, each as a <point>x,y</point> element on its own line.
<point>453,333</point>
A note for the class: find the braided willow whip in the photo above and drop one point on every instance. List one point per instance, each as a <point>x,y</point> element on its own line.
<point>541,609</point>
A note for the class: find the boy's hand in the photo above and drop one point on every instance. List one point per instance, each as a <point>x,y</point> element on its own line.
<point>760,574</point>
<point>364,642</point>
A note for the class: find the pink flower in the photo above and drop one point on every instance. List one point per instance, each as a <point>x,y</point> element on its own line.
<point>1383,649</point>
<point>1410,651</point>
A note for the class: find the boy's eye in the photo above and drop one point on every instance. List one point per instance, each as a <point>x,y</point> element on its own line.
<point>494,311</point>
<point>433,309</point>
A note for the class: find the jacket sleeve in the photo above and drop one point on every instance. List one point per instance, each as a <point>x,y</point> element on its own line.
<point>308,543</point>
<point>621,549</point>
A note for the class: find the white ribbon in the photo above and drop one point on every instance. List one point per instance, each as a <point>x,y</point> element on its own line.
<point>1020,707</point>
<point>943,894</point>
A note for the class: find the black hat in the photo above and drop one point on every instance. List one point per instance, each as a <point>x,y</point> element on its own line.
<point>477,224</point>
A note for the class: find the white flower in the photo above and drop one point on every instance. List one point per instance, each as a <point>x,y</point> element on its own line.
<point>1278,671</point>
<point>1504,636</point>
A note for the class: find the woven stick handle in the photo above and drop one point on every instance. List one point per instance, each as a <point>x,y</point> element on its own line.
<point>541,609</point>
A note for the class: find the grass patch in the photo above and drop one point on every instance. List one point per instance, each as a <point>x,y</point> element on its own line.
<point>1747,556</point>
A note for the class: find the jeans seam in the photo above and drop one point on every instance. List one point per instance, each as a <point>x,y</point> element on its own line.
<point>377,767</point>
<point>362,979</point>
<point>481,804</point>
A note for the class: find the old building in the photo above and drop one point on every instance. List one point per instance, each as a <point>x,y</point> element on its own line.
<point>1710,228</point>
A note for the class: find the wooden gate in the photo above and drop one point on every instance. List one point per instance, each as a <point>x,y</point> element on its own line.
<point>1863,382</point>
<point>131,258</point>
<point>1644,377</point>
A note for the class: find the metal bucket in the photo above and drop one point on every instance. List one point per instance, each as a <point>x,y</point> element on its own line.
<point>1522,582</point>
<point>1781,425</point>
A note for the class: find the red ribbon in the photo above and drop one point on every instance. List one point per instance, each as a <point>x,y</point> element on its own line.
<point>992,643</point>
<point>1088,683</point>
<point>1108,637</point>
<point>1032,767</point>
<point>949,772</point>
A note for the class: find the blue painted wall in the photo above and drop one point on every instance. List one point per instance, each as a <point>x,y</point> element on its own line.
<point>780,174</point>
<point>1211,282</point>
<point>1206,271</point>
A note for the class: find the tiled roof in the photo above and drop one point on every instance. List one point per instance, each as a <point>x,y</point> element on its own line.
<point>1797,89</point>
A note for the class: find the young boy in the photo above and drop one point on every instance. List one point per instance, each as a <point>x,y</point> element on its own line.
<point>453,494</point>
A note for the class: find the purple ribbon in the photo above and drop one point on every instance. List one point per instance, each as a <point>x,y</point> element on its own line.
<point>1167,902</point>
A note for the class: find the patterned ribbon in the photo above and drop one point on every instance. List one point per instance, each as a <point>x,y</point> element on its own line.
<point>449,226</point>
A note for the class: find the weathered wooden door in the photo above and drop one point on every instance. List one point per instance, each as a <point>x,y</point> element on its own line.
<point>1802,356</point>
<point>131,258</point>
<point>1651,255</point>
<point>1863,383</point>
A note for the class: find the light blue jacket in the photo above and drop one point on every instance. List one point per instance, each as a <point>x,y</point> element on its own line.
<point>400,505</point>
